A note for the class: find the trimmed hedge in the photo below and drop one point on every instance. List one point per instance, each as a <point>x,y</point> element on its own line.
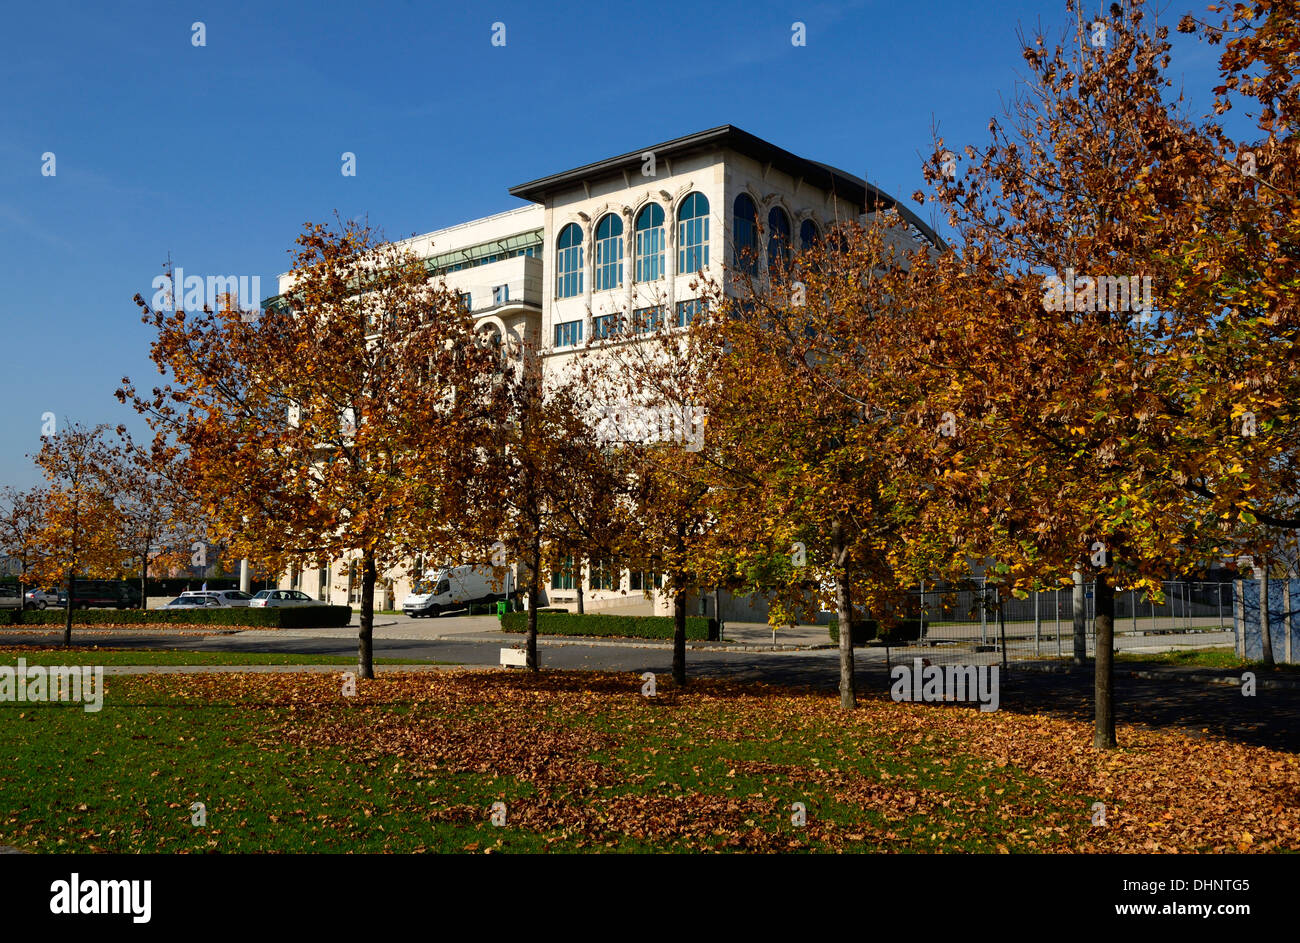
<point>295,617</point>
<point>607,626</point>
<point>864,630</point>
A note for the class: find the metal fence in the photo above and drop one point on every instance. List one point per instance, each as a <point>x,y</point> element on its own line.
<point>982,624</point>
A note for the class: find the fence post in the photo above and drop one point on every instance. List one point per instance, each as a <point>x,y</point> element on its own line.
<point>1057,599</point>
<point>1080,620</point>
<point>984,616</point>
<point>1133,600</point>
<point>1038,626</point>
<point>1238,619</point>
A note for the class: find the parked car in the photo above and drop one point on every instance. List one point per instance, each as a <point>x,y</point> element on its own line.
<point>224,597</point>
<point>279,598</point>
<point>456,587</point>
<point>197,601</point>
<point>9,598</point>
<point>108,594</point>
<point>43,598</point>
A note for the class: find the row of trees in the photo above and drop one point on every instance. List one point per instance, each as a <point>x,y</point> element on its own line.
<point>1096,375</point>
<point>109,507</point>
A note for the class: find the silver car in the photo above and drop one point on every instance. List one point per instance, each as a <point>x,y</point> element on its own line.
<point>42,598</point>
<point>224,597</point>
<point>197,601</point>
<point>279,598</point>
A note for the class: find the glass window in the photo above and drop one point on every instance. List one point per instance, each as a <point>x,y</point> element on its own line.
<point>650,243</point>
<point>601,575</point>
<point>466,301</point>
<point>687,310</point>
<point>693,234</point>
<point>568,262</point>
<point>605,325</point>
<point>562,578</point>
<point>808,234</point>
<point>568,333</point>
<point>645,320</point>
<point>744,229</point>
<point>609,252</point>
<point>778,239</point>
<point>500,294</point>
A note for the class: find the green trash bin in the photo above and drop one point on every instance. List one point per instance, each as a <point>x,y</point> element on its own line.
<point>502,607</point>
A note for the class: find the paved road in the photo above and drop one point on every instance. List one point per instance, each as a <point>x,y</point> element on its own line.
<point>1271,718</point>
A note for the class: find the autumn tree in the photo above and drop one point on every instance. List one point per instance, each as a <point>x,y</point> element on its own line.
<point>160,521</point>
<point>340,422</point>
<point>545,487</point>
<point>1076,370</point>
<point>80,527</point>
<point>645,385</point>
<point>21,516</point>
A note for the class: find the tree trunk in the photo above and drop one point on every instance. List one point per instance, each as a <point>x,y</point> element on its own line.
<point>679,633</point>
<point>1079,612</point>
<point>534,590</point>
<point>844,613</point>
<point>1265,627</point>
<point>365,637</point>
<point>144,575</point>
<point>67,613</point>
<point>577,581</point>
<point>1103,737</point>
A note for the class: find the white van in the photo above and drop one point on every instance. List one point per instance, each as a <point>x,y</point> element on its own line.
<point>458,587</point>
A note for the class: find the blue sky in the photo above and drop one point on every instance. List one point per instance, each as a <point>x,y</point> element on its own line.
<point>218,154</point>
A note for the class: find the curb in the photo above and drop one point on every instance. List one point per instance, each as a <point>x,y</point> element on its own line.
<point>1166,674</point>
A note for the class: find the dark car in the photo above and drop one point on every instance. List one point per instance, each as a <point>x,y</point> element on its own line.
<point>105,594</point>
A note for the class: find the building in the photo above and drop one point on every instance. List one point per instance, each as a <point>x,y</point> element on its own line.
<point>628,234</point>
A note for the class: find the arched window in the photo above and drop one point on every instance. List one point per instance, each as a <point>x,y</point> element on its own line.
<point>609,252</point>
<point>650,243</point>
<point>744,231</point>
<point>568,262</point>
<point>778,239</point>
<point>693,234</point>
<point>808,235</point>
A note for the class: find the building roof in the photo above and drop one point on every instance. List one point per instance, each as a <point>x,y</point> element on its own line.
<point>844,185</point>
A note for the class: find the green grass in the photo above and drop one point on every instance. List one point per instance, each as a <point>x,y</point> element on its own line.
<point>123,779</point>
<point>125,656</point>
<point>1202,658</point>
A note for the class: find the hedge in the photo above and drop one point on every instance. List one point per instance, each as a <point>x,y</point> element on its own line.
<point>864,630</point>
<point>607,626</point>
<point>289,617</point>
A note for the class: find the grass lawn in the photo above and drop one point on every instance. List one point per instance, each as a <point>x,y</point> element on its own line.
<point>582,761</point>
<point>141,656</point>
<point>1202,658</point>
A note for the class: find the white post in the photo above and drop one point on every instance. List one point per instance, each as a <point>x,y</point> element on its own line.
<point>245,576</point>
<point>1038,625</point>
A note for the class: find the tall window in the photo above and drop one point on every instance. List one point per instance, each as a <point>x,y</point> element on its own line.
<point>645,320</point>
<point>650,243</point>
<point>562,576</point>
<point>744,230</point>
<point>778,238</point>
<point>609,252</point>
<point>601,575</point>
<point>693,234</point>
<point>568,262</point>
<point>687,310</point>
<point>808,235</point>
<point>568,334</point>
